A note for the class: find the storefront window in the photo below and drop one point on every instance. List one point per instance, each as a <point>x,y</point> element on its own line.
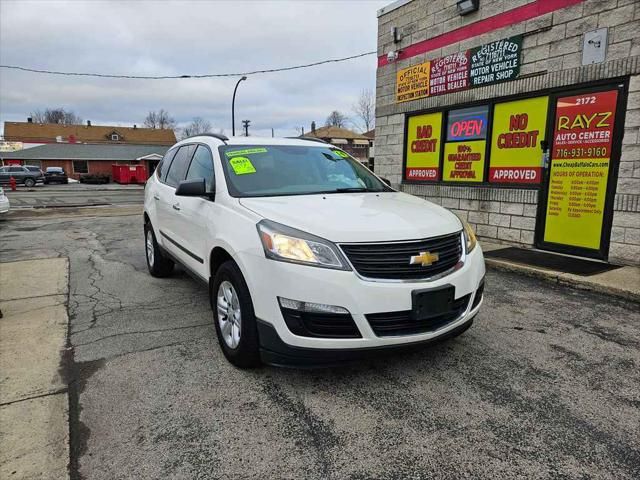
<point>518,129</point>
<point>464,151</point>
<point>423,147</point>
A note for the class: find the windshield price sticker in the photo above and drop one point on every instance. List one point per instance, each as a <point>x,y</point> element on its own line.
<point>582,141</point>
<point>341,154</point>
<point>518,128</point>
<point>242,165</point>
<point>246,151</point>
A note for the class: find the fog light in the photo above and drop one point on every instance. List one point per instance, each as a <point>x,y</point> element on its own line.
<point>310,306</point>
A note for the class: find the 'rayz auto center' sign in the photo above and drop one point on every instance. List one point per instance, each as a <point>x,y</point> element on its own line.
<point>485,65</point>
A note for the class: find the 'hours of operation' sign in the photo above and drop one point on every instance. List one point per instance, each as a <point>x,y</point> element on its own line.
<point>580,158</point>
<point>518,129</point>
<point>413,82</point>
<point>423,147</point>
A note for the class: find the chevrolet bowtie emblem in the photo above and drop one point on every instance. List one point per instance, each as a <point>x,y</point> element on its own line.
<point>425,259</point>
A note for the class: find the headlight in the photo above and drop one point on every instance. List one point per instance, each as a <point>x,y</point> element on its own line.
<point>290,245</point>
<point>469,236</point>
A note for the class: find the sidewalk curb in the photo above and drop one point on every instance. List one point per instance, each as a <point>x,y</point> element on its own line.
<point>582,283</point>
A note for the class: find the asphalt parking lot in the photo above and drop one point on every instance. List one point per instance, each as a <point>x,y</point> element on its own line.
<point>74,194</point>
<point>546,384</point>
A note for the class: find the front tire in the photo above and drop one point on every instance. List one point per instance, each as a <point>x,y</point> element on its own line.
<point>233,316</point>
<point>158,265</point>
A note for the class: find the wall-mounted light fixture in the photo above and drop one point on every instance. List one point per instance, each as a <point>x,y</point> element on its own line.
<point>392,56</point>
<point>467,6</point>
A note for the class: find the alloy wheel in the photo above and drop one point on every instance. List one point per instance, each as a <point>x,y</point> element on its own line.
<point>229,315</point>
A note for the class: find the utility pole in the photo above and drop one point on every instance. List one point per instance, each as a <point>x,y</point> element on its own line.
<point>245,125</point>
<point>272,133</point>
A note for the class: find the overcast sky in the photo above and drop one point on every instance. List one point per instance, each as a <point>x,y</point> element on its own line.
<point>175,38</point>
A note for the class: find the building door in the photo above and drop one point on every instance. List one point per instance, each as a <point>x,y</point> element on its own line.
<point>579,179</point>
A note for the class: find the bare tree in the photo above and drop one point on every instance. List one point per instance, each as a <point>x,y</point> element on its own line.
<point>56,115</point>
<point>365,110</point>
<point>160,120</point>
<point>197,126</point>
<point>336,119</point>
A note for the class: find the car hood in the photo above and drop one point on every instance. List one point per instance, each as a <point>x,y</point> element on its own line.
<point>358,217</point>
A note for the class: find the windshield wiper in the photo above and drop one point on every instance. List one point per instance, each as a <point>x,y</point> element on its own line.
<point>352,189</point>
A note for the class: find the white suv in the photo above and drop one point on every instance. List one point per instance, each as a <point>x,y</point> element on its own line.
<point>309,257</point>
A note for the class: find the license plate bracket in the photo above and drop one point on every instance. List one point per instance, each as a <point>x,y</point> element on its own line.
<point>429,303</point>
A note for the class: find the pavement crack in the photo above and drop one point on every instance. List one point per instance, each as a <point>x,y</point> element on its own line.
<point>143,331</point>
<point>33,397</point>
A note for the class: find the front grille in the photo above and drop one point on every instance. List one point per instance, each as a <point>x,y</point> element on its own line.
<point>391,260</point>
<point>320,325</point>
<point>390,324</point>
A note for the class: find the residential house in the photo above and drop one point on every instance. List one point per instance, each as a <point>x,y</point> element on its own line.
<point>356,144</point>
<point>31,134</point>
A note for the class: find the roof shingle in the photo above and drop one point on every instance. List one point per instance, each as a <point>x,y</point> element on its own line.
<point>47,132</point>
<point>70,151</point>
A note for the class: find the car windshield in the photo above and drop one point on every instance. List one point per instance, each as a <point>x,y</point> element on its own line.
<point>54,170</point>
<point>275,170</point>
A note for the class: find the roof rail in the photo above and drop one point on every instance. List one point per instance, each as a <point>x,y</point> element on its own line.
<point>311,139</point>
<point>219,136</point>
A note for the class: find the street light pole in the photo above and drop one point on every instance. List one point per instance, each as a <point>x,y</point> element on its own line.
<point>233,108</point>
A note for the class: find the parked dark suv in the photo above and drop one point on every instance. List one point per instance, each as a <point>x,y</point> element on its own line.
<point>24,174</point>
<point>55,175</point>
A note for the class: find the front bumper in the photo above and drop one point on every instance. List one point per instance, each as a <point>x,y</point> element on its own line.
<point>268,279</point>
<point>4,205</point>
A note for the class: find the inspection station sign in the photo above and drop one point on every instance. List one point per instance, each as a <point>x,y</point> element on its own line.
<point>485,65</point>
<point>413,82</point>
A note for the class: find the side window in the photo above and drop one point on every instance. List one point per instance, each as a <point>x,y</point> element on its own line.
<point>179,165</point>
<point>202,167</point>
<point>163,166</point>
<point>16,170</point>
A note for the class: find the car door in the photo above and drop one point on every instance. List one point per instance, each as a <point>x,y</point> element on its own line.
<point>4,175</point>
<point>169,205</point>
<point>191,220</point>
<point>19,173</point>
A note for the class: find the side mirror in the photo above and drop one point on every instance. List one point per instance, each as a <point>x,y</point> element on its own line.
<point>386,180</point>
<point>192,188</point>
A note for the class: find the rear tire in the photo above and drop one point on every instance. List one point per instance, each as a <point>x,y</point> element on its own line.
<point>158,264</point>
<point>233,316</point>
<point>29,182</point>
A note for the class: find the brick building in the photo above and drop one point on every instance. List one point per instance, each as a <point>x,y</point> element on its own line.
<point>80,159</point>
<point>522,116</point>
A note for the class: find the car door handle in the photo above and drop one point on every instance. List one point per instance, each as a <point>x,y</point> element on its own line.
<point>176,206</point>
<point>156,196</point>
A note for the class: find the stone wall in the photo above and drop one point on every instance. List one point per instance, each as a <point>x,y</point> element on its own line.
<point>551,58</point>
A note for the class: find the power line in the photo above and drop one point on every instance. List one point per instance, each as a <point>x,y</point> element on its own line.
<point>173,77</point>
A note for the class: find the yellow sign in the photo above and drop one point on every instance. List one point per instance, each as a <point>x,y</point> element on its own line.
<point>423,147</point>
<point>413,82</point>
<point>518,128</point>
<point>464,161</point>
<point>581,154</point>
<point>242,165</point>
<point>575,204</point>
